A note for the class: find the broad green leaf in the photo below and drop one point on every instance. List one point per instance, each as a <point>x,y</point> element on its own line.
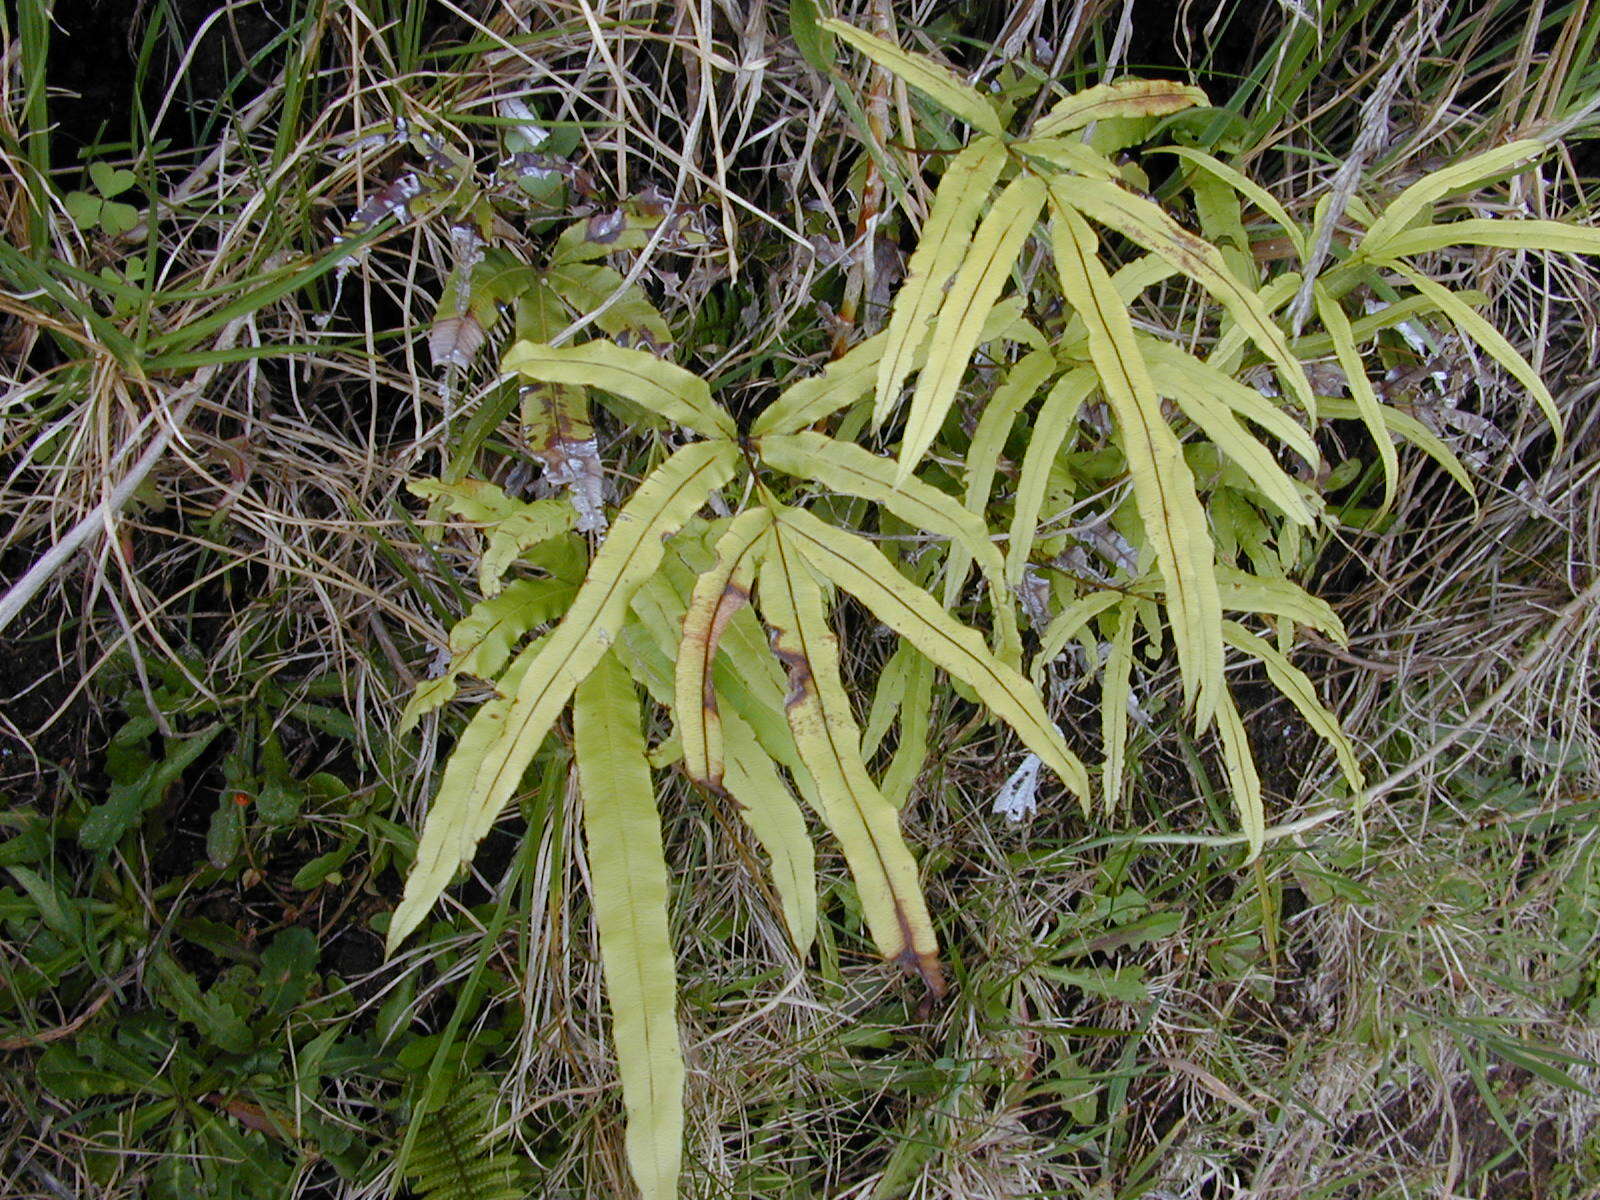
<point>1018,387</point>
<point>1125,984</point>
<point>630,319</point>
<point>718,594</point>
<point>1009,319</point>
<point>1217,422</point>
<point>1297,686</point>
<point>770,809</point>
<point>1361,391</point>
<point>1221,217</point>
<point>1068,154</point>
<point>1050,429</point>
<point>130,798</point>
<point>68,1070</point>
<point>510,525</point>
<point>816,46</point>
<point>941,249</point>
<point>111,181</point>
<point>1243,592</point>
<point>755,733</point>
<point>972,295</point>
<point>1243,780</point>
<point>1164,491</point>
<point>1413,430</point>
<point>482,641</point>
<point>1132,279</point>
<point>1229,350</point>
<point>1246,187</point>
<point>841,383</point>
<point>848,468</point>
<point>659,386</point>
<point>560,436</point>
<point>850,804</point>
<point>860,568</point>
<point>748,679</point>
<point>1473,326</point>
<point>1319,345</point>
<point>911,751</point>
<point>886,698</point>
<point>225,834</point>
<point>56,910</point>
<point>1114,692</point>
<point>1417,199</point>
<point>1172,367</point>
<point>628,887</point>
<point>1064,626</point>
<point>1560,237</point>
<point>207,1011</point>
<point>850,377</point>
<point>483,774</point>
<point>605,233</point>
<point>1144,222</point>
<point>1130,282</point>
<point>651,635</point>
<point>748,683</point>
<point>934,81</point>
<point>1124,98</point>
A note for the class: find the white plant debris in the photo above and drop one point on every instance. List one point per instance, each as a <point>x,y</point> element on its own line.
<point>379,140</point>
<point>526,133</point>
<point>1018,796</point>
<point>575,465</point>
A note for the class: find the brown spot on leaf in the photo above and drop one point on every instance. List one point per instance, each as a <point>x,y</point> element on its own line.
<point>801,685</point>
<point>924,964</point>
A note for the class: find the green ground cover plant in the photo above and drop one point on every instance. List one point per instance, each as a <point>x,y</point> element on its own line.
<point>994,604</point>
<point>970,244</point>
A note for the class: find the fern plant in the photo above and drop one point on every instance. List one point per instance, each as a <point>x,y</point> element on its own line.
<point>456,1155</point>
<point>676,603</point>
